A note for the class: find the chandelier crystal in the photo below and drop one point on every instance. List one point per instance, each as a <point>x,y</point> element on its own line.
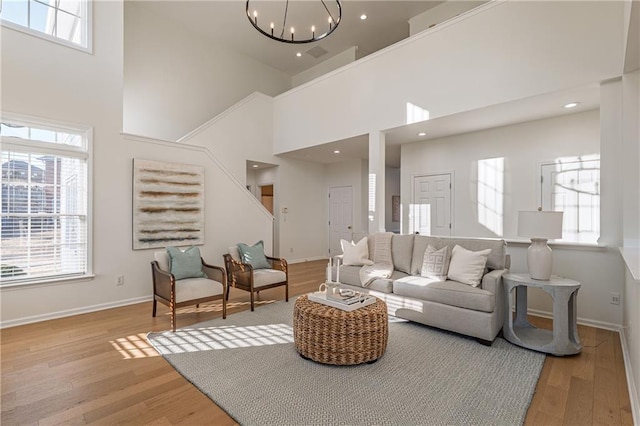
<point>298,23</point>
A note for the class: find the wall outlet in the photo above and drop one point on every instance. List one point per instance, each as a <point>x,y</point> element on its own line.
<point>119,279</point>
<point>615,298</point>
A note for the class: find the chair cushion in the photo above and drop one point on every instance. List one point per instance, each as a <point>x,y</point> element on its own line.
<point>450,293</point>
<point>262,277</point>
<point>185,264</point>
<point>254,255</point>
<point>196,288</point>
<point>235,253</point>
<point>162,257</point>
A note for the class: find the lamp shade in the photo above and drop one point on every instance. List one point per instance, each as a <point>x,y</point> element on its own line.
<point>538,224</point>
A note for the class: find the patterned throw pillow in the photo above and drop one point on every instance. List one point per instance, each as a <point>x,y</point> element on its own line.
<point>435,263</point>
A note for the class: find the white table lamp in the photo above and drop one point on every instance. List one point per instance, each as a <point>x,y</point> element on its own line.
<point>540,226</point>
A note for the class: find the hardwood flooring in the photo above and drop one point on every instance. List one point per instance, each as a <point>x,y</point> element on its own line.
<point>97,368</point>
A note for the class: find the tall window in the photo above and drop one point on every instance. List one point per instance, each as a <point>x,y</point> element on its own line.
<point>572,185</point>
<point>45,202</point>
<point>66,21</point>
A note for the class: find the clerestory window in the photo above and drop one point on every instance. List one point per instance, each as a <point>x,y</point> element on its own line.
<point>64,21</point>
<point>44,227</point>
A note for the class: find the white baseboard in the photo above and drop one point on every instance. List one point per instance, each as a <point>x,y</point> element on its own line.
<point>71,312</point>
<point>308,259</point>
<point>581,321</point>
<point>631,384</point>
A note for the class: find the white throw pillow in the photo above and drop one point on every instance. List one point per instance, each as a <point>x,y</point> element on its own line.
<point>435,263</point>
<point>355,254</point>
<point>467,266</point>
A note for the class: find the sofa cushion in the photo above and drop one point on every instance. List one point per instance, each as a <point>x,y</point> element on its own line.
<point>467,266</point>
<point>401,250</point>
<point>496,259</point>
<point>351,275</point>
<point>435,263</point>
<point>450,293</point>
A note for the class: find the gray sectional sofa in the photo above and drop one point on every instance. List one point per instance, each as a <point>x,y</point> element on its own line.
<point>449,305</point>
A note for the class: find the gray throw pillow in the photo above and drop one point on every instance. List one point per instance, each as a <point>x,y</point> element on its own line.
<point>185,264</point>
<point>254,255</point>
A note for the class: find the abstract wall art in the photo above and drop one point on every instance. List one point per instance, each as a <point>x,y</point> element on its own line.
<point>168,204</point>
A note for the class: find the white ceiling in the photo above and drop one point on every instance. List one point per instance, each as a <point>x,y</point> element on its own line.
<point>225,23</point>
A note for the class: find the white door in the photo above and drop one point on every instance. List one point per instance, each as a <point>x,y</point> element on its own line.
<point>430,209</point>
<point>340,217</point>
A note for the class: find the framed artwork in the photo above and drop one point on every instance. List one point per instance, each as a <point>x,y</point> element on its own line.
<point>395,208</point>
<point>168,204</point>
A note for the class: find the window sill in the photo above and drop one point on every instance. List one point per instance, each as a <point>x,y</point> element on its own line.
<point>559,245</point>
<point>631,257</point>
<point>45,282</point>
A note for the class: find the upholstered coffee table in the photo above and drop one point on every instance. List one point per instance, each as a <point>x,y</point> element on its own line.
<point>332,336</point>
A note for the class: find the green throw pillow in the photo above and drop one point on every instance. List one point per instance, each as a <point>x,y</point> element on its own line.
<point>185,264</point>
<point>254,255</point>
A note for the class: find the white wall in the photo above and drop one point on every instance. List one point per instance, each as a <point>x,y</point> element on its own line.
<point>511,60</point>
<point>87,89</point>
<point>523,146</point>
<point>440,13</point>
<point>176,79</point>
<point>334,62</point>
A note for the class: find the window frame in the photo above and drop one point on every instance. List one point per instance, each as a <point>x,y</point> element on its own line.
<point>44,36</point>
<point>541,202</point>
<point>31,146</point>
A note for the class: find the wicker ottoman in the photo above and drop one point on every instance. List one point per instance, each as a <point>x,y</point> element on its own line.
<point>333,336</point>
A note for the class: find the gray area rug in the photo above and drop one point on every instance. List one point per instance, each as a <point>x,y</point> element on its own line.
<point>248,365</point>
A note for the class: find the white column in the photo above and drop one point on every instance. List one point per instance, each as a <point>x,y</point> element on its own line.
<point>376,182</point>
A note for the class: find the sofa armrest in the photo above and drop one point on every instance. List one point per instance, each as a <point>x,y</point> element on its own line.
<point>492,281</point>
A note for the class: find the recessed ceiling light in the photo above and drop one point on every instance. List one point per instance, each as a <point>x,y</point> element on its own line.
<point>422,134</point>
<point>337,151</point>
<point>255,166</point>
<point>571,105</point>
<point>363,17</point>
<point>298,54</point>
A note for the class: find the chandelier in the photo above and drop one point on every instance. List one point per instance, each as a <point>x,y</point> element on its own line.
<point>303,22</point>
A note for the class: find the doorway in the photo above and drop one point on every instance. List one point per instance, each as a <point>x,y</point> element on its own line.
<point>430,209</point>
<point>266,197</point>
<point>340,217</point>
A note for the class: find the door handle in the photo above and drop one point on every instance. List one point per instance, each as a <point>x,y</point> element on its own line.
<point>349,227</point>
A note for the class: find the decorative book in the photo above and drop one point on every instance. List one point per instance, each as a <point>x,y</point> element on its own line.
<point>345,303</point>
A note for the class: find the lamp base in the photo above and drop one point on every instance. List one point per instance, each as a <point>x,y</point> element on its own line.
<point>539,259</point>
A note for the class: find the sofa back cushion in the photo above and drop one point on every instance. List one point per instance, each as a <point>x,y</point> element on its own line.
<point>496,259</point>
<point>401,252</point>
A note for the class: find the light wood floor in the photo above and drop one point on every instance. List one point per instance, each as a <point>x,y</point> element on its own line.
<point>97,368</point>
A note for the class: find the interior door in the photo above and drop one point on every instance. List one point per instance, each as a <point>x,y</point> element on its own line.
<point>340,217</point>
<point>430,209</point>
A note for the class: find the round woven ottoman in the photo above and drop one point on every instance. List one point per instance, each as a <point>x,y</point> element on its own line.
<point>332,336</point>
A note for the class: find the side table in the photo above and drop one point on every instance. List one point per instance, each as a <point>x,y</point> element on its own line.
<point>564,339</point>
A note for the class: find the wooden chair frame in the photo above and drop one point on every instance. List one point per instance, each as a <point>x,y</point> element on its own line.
<point>240,275</point>
<point>164,290</point>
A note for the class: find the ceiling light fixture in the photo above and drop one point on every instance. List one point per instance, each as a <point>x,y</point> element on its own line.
<point>336,151</point>
<point>298,54</point>
<point>571,105</point>
<point>422,134</point>
<point>255,166</point>
<point>363,17</point>
<point>329,11</point>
